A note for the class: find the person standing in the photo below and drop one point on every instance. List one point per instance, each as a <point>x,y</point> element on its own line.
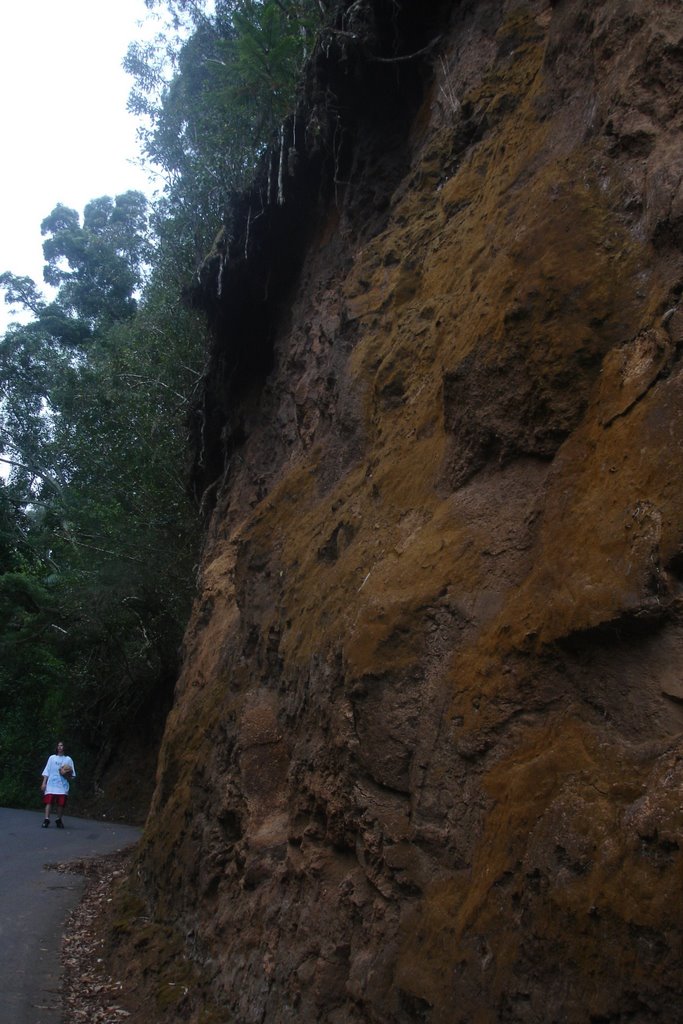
<point>55,785</point>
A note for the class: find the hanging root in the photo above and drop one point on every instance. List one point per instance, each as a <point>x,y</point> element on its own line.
<point>281,169</point>
<point>246,239</point>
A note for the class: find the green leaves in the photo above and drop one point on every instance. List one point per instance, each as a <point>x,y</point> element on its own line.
<point>31,670</point>
<point>98,265</point>
<point>97,537</point>
<point>21,293</point>
<point>214,101</point>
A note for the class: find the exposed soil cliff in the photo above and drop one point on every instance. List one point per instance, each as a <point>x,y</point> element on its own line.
<point>425,761</point>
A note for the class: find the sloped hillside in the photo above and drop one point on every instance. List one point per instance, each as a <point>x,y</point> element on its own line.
<point>425,760</point>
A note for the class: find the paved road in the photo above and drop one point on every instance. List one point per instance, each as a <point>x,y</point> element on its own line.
<point>34,903</point>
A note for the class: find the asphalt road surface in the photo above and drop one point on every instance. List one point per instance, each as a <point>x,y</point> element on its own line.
<point>35,902</point>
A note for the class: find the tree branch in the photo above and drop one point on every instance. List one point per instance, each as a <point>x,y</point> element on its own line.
<point>36,471</point>
<point>408,56</point>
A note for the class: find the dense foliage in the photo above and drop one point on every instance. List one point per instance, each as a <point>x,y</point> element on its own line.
<point>97,537</point>
<point>212,99</point>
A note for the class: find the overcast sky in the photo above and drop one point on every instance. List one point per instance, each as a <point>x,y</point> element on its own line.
<point>67,136</point>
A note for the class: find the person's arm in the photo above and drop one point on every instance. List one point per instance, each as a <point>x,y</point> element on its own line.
<point>46,773</point>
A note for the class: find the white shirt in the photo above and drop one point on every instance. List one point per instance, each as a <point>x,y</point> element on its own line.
<point>56,783</point>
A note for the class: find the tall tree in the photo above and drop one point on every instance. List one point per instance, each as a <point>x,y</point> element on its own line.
<point>32,671</point>
<point>92,425</point>
<point>97,265</point>
<point>214,100</point>
<point>96,536</point>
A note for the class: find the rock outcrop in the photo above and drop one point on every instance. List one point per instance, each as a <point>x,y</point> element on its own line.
<point>425,761</point>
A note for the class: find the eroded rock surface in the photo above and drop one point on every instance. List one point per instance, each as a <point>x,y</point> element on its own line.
<point>426,758</point>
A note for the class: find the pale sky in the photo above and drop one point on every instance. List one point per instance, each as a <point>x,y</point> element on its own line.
<point>67,136</point>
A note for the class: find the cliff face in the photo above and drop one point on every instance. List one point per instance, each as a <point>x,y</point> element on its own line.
<point>425,760</point>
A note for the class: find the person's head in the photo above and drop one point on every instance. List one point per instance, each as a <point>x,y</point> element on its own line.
<point>60,748</point>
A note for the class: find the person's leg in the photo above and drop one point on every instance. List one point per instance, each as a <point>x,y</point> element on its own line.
<point>47,800</point>
<point>61,805</point>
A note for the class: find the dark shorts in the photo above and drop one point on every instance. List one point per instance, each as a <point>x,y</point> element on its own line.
<point>56,799</point>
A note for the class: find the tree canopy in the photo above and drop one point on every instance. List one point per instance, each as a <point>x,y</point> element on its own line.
<point>98,264</point>
<point>97,536</point>
<point>213,98</point>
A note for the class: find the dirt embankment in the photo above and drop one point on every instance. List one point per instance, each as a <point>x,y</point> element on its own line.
<point>425,760</point>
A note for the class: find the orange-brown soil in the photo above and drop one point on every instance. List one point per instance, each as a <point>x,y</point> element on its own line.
<point>425,760</point>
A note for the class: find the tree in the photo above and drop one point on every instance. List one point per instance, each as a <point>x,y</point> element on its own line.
<point>31,669</point>
<point>97,265</point>
<point>101,537</point>
<point>214,100</point>
<point>97,538</point>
